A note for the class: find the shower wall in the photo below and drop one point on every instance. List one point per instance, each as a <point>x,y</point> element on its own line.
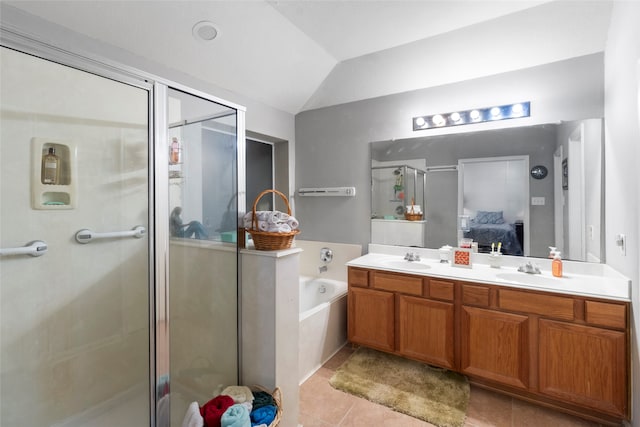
<point>74,323</point>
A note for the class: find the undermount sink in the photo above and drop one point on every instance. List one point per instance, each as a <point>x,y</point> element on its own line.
<point>526,279</point>
<point>405,265</point>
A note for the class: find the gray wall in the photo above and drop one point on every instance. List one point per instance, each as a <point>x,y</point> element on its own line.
<point>332,144</point>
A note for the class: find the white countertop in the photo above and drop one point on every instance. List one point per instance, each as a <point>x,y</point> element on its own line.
<point>579,278</point>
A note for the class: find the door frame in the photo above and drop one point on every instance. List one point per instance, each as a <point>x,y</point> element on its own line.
<point>526,208</point>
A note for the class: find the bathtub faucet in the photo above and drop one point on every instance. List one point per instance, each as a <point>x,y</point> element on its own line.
<point>322,269</point>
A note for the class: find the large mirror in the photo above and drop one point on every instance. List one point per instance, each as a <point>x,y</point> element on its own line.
<point>527,188</point>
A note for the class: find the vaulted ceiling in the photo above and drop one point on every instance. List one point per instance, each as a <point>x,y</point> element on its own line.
<point>296,55</point>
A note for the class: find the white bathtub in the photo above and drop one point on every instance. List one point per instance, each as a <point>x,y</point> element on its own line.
<point>323,322</point>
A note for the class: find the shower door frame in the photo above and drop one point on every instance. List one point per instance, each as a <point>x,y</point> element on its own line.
<point>158,179</point>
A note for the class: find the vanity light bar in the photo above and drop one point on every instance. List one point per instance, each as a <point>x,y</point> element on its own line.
<point>477,115</point>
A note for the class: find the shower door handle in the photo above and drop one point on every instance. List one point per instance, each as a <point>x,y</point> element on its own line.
<point>85,236</point>
<point>35,248</point>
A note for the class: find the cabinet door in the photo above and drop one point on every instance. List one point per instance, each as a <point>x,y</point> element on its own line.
<point>584,365</point>
<point>426,330</point>
<point>495,346</point>
<point>371,318</point>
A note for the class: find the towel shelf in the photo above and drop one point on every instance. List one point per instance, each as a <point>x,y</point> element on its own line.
<point>328,191</point>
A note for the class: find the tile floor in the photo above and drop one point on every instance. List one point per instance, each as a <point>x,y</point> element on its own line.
<point>322,406</point>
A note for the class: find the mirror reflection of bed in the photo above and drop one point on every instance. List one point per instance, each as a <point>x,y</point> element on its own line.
<point>493,196</point>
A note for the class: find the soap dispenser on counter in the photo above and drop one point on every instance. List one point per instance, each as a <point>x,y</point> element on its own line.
<point>556,265</point>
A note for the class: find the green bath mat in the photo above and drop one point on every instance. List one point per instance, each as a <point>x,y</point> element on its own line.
<point>434,395</point>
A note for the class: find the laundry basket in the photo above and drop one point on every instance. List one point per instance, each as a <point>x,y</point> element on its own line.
<point>277,398</point>
<point>267,240</point>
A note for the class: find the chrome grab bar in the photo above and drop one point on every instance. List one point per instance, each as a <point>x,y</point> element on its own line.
<point>35,248</point>
<point>85,235</point>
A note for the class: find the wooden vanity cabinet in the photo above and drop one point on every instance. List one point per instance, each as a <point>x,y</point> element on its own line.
<point>560,350</point>
<point>426,331</point>
<point>569,349</point>
<point>583,365</point>
<point>495,346</point>
<point>371,318</point>
<point>393,314</point>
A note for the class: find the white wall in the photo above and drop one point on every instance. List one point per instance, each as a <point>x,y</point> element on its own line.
<point>260,118</point>
<point>622,136</point>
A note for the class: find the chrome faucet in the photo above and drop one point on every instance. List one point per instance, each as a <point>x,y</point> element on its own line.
<point>412,256</point>
<point>529,268</point>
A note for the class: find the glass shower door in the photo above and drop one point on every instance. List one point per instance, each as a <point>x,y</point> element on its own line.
<point>203,268</point>
<point>74,319</point>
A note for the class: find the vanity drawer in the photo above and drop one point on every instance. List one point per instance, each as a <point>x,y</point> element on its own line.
<point>475,295</point>
<point>358,277</point>
<point>544,305</point>
<point>439,289</point>
<point>402,283</point>
<point>606,314</point>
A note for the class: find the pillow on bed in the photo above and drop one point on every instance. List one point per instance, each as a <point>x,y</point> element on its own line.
<point>488,217</point>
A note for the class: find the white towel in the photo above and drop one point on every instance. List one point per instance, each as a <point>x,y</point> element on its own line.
<point>248,405</point>
<point>279,228</point>
<point>192,417</point>
<point>293,223</point>
<point>239,393</point>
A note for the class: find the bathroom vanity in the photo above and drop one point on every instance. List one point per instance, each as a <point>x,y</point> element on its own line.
<point>524,335</point>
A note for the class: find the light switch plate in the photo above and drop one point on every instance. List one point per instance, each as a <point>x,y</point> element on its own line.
<point>621,241</point>
<point>537,201</point>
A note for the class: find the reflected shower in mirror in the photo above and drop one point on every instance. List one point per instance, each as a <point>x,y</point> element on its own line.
<point>558,201</point>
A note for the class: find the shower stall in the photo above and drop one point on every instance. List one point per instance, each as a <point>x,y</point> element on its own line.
<point>108,316</point>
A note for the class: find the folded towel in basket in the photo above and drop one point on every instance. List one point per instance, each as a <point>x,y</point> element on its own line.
<point>263,415</point>
<point>236,416</point>
<point>272,221</point>
<point>192,417</point>
<point>262,398</point>
<point>212,410</point>
<point>279,228</point>
<point>293,223</point>
<point>239,393</point>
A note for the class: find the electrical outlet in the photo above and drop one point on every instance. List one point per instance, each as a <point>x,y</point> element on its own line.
<point>621,241</point>
<point>537,201</point>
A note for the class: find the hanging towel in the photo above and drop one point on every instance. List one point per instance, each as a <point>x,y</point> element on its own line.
<point>192,417</point>
<point>263,415</point>
<point>262,398</point>
<point>239,393</point>
<point>212,410</point>
<point>236,416</point>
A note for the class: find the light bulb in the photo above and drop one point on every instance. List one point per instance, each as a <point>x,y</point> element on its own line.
<point>420,122</point>
<point>517,110</point>
<point>438,120</point>
<point>455,117</point>
<point>474,114</point>
<point>495,112</point>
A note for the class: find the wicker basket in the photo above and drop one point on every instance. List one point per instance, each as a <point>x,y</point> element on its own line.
<point>410,216</point>
<point>277,398</point>
<point>266,240</point>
